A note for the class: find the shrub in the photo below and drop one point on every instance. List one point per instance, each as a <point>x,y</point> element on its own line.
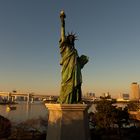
<point>5,127</point>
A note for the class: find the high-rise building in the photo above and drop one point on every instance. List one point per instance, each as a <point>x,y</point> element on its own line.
<point>135,91</point>
<point>125,96</point>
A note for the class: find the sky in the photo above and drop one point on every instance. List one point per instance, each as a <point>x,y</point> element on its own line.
<point>108,33</point>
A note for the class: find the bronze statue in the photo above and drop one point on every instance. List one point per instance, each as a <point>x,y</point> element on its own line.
<point>71,67</point>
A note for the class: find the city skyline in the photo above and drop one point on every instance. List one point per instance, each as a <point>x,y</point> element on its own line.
<point>108,33</point>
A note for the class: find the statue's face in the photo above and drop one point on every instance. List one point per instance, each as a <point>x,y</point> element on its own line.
<point>71,39</point>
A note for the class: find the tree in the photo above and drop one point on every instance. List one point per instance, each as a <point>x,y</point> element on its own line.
<point>133,106</point>
<point>5,127</point>
<point>103,113</point>
<point>107,115</point>
<point>121,116</point>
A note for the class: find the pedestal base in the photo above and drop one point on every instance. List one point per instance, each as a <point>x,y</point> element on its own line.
<point>67,122</point>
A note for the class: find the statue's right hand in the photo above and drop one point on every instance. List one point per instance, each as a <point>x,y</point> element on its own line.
<point>62,14</point>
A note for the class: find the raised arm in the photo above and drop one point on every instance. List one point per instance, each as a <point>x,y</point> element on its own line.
<point>62,17</point>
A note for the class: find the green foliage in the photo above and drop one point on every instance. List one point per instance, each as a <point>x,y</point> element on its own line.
<point>120,116</point>
<point>104,113</point>
<point>133,106</point>
<point>107,115</point>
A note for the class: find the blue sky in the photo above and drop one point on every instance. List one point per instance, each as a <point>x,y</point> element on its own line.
<point>108,32</point>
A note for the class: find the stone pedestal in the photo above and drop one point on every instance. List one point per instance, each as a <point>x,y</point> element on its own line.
<point>67,122</point>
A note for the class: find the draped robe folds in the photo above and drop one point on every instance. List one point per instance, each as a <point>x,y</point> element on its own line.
<point>71,74</point>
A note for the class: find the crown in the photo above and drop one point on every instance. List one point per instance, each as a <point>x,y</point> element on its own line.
<point>72,34</point>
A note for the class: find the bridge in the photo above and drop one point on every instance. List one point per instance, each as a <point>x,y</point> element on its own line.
<point>12,96</point>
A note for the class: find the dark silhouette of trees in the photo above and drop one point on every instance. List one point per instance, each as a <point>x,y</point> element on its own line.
<point>5,127</point>
<point>108,115</point>
<point>133,106</point>
<point>108,118</point>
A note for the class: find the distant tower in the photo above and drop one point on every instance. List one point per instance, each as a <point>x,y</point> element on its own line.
<point>135,91</point>
<point>125,96</point>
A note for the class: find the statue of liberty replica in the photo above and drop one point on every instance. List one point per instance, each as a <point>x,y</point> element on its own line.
<point>71,67</point>
<point>69,116</point>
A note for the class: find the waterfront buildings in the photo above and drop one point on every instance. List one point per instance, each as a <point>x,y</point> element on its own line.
<point>123,97</point>
<point>90,94</point>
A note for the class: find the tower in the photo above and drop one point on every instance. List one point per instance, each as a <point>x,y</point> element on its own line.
<point>135,91</point>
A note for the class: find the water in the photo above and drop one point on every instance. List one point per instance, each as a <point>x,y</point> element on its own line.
<point>35,110</point>
<point>24,111</point>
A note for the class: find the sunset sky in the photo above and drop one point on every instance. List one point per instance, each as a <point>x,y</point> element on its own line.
<point>108,32</point>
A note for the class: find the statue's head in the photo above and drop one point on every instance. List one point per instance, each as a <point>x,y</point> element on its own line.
<point>71,38</point>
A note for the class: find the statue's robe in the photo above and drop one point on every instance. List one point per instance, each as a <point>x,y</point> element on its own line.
<point>71,74</point>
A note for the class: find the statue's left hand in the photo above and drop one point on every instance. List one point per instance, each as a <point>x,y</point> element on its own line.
<point>83,60</point>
